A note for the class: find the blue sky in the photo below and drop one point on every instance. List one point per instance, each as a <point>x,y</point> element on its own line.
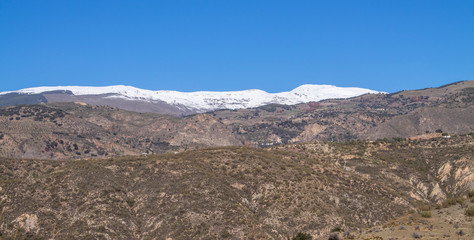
<point>235,44</point>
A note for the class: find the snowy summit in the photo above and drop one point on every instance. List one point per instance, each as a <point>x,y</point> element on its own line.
<point>203,101</point>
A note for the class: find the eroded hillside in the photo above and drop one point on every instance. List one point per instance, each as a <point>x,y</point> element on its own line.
<point>78,130</point>
<point>232,192</point>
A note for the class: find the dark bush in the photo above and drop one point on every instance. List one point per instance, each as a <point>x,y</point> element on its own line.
<point>470,212</point>
<point>302,236</point>
<point>450,202</point>
<point>130,202</point>
<point>417,235</point>
<point>333,236</point>
<point>426,214</point>
<point>471,193</point>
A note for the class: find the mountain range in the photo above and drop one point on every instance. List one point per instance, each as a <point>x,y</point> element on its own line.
<point>174,102</point>
<point>76,129</point>
<point>392,165</point>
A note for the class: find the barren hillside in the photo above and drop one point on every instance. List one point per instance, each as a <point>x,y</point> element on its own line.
<point>78,130</point>
<point>232,192</point>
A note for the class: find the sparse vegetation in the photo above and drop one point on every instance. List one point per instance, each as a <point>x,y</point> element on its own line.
<point>470,212</point>
<point>290,180</point>
<point>470,194</point>
<point>192,192</point>
<point>425,207</point>
<point>426,214</point>
<point>333,236</point>
<point>130,202</point>
<point>129,133</point>
<point>302,236</point>
<point>452,201</point>
<point>417,235</point>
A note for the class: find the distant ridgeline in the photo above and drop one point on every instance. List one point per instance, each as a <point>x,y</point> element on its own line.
<point>173,102</point>
<point>14,98</point>
<point>74,129</point>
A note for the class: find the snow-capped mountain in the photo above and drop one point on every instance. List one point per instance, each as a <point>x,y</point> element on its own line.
<point>190,102</point>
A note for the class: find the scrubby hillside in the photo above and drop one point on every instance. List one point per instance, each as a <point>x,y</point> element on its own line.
<point>232,192</point>
<point>427,222</point>
<point>78,130</point>
<point>75,130</point>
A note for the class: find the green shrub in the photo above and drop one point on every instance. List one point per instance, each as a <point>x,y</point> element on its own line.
<point>426,214</point>
<point>451,201</point>
<point>130,202</point>
<point>470,212</point>
<point>398,139</point>
<point>471,193</point>
<point>425,208</point>
<point>302,236</point>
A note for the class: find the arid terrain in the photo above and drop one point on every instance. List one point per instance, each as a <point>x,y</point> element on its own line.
<point>450,222</point>
<point>78,130</point>
<point>377,166</point>
<point>240,192</point>
<point>237,120</point>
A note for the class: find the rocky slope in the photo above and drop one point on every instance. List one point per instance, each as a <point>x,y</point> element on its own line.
<point>404,114</point>
<point>428,222</point>
<point>78,130</point>
<point>232,192</point>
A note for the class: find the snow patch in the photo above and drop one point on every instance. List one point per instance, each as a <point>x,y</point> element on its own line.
<point>206,100</point>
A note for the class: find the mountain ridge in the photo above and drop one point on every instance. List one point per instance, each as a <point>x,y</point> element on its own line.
<point>76,130</point>
<point>191,102</point>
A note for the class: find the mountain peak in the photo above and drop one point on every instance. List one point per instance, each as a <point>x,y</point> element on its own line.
<point>202,101</point>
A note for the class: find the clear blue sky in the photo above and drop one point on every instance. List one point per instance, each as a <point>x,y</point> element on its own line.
<point>236,44</point>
